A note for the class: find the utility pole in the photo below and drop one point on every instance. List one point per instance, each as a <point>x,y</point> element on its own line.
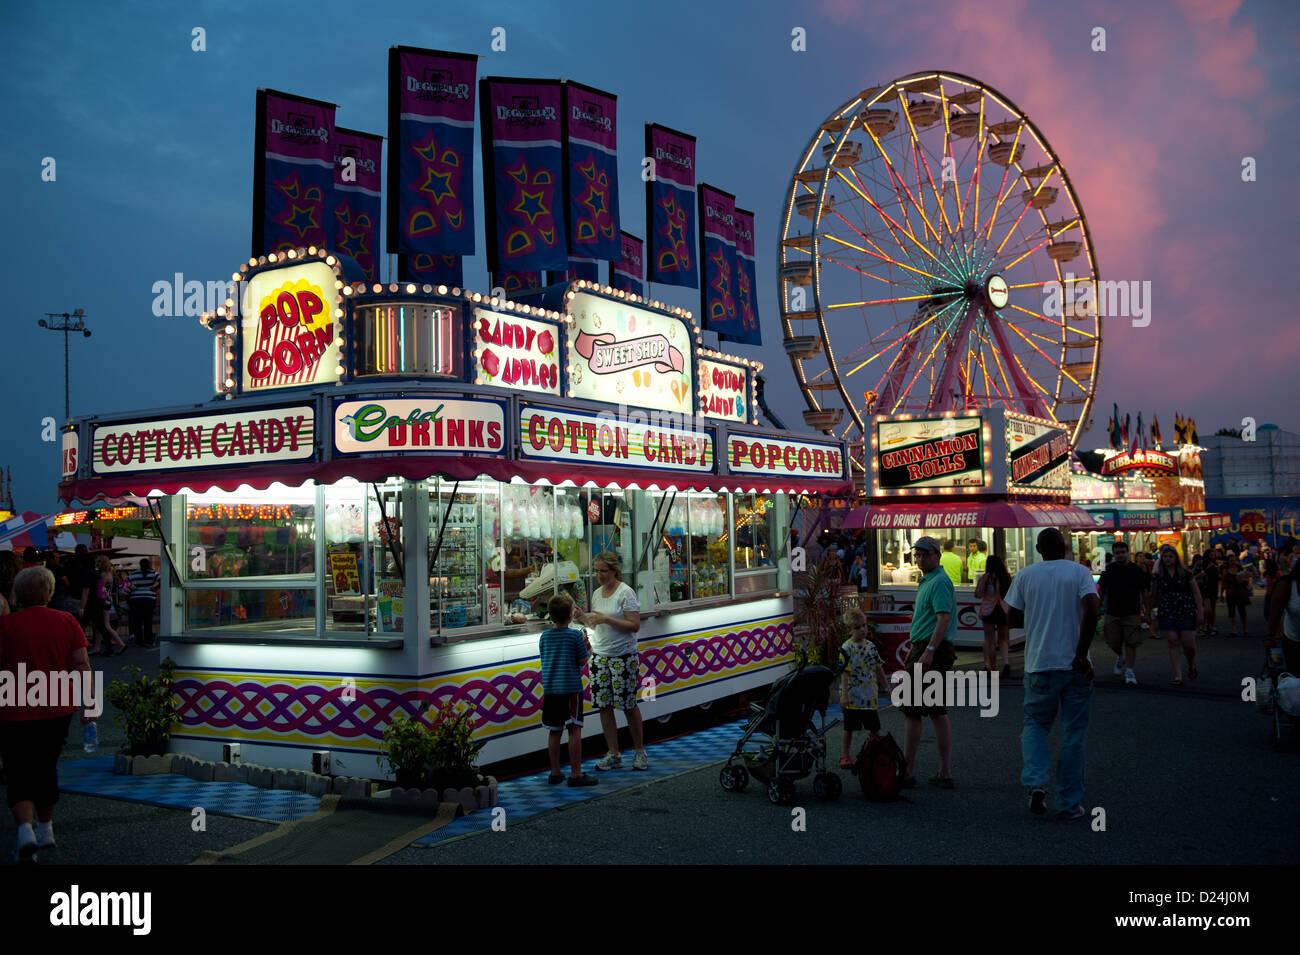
<point>66,326</point>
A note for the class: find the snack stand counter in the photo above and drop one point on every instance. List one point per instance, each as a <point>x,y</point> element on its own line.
<point>992,478</point>
<point>393,478</point>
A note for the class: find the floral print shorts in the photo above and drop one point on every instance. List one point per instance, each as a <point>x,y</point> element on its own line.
<point>614,681</point>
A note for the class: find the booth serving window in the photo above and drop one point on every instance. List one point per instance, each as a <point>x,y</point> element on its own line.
<point>500,550</point>
<point>364,587</point>
<point>295,561</point>
<point>407,340</point>
<point>692,559</point>
<point>898,566</point>
<point>251,534</point>
<point>755,523</point>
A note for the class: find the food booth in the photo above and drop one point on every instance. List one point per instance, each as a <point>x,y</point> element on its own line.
<point>391,479</point>
<point>993,477</point>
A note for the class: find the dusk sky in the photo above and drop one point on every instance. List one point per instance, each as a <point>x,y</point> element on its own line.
<point>153,145</point>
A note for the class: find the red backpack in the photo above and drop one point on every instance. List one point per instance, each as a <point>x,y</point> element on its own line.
<point>881,768</point>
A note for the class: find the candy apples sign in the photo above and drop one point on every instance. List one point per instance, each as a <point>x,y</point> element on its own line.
<point>287,331</point>
<point>516,352</point>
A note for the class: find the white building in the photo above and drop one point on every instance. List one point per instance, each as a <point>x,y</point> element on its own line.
<point>1269,466</point>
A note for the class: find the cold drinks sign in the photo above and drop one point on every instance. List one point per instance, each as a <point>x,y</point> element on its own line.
<point>288,328</point>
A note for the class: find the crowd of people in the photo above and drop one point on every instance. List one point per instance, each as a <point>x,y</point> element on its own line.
<point>1138,596</point>
<point>86,586</point>
<point>47,609</point>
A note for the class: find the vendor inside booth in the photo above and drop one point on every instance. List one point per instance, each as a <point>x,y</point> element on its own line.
<point>391,506</point>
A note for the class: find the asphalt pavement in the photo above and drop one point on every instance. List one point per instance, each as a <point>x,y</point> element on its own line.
<point>1175,777</point>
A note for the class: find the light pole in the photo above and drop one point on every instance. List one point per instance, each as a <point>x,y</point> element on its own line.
<point>67,325</point>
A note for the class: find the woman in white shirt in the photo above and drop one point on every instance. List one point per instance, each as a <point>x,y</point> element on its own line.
<point>614,667</point>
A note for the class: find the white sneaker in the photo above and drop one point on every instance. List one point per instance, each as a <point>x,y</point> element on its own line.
<point>44,832</point>
<point>1119,666</point>
<point>611,761</point>
<point>640,760</point>
<point>1130,677</point>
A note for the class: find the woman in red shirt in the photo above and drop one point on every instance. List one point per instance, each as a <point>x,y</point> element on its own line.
<point>36,638</point>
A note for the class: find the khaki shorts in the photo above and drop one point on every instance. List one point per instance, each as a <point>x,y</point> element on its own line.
<point>1121,632</point>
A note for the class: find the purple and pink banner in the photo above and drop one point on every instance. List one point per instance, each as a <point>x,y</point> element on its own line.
<point>431,162</point>
<point>670,207</point>
<point>514,282</point>
<point>431,269</point>
<point>293,182</point>
<point>626,273</point>
<point>718,311</point>
<point>591,171</point>
<point>358,197</point>
<point>746,282</point>
<point>523,174</point>
<point>579,268</point>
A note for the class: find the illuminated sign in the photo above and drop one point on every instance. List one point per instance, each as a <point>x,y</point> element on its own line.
<point>1138,520</point>
<point>248,437</point>
<point>930,452</point>
<point>759,454</point>
<point>1038,455</point>
<point>1153,461</point>
<point>555,435</point>
<point>723,391</point>
<point>516,352</point>
<point>1085,487</point>
<point>69,453</point>
<point>287,330</point>
<point>420,426</point>
<point>621,354</point>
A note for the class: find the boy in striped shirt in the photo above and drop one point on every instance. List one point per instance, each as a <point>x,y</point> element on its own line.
<point>563,651</point>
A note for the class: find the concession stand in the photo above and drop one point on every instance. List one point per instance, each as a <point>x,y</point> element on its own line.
<point>390,480</point>
<point>985,480</point>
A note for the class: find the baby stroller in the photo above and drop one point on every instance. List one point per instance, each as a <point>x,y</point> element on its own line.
<point>781,743</point>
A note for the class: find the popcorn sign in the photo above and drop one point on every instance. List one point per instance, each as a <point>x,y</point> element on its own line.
<point>287,330</point>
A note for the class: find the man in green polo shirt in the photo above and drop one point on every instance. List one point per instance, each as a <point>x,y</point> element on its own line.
<point>934,626</point>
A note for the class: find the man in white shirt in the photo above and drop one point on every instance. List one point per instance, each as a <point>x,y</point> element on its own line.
<point>1061,607</point>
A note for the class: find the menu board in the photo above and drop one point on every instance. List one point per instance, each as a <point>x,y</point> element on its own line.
<point>1038,455</point>
<point>930,453</point>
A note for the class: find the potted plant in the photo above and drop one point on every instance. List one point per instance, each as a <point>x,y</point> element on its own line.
<point>453,751</point>
<point>434,750</point>
<point>406,750</point>
<point>817,628</point>
<point>146,709</point>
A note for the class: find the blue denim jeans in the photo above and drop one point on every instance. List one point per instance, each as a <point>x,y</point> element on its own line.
<point>1044,693</point>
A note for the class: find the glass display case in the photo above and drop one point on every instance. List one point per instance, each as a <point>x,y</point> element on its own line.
<point>321,560</point>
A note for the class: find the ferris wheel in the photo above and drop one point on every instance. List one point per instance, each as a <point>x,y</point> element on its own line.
<point>934,257</point>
